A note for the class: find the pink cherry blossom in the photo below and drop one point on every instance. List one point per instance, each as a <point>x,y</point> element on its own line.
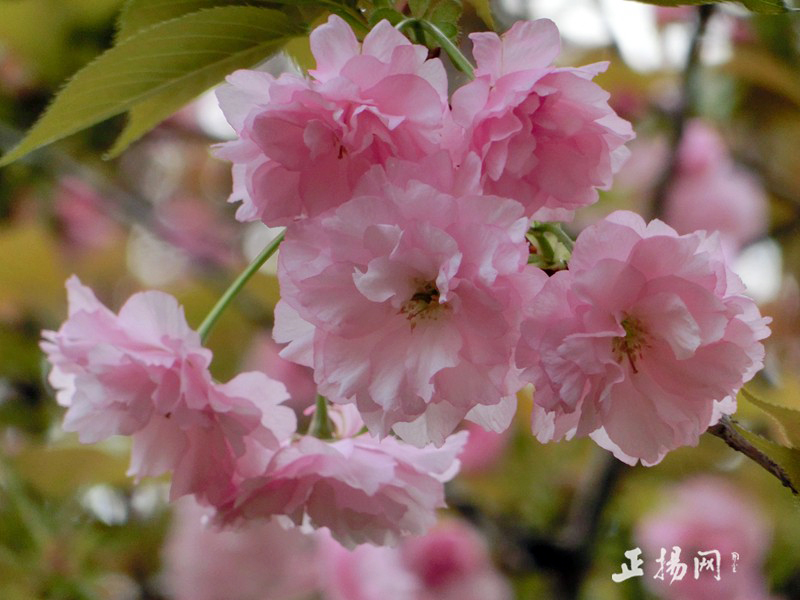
<point>407,301</point>
<point>450,562</point>
<point>197,229</point>
<point>263,355</point>
<point>259,560</point>
<point>365,572</point>
<point>546,136</point>
<point>707,514</point>
<point>303,144</point>
<point>79,208</point>
<point>483,449</point>
<point>666,15</point>
<point>144,373</point>
<point>643,343</point>
<point>361,489</point>
<point>709,192</point>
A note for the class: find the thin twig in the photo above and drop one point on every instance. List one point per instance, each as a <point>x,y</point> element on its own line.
<point>568,557</point>
<point>684,110</point>
<point>582,529</point>
<point>728,434</point>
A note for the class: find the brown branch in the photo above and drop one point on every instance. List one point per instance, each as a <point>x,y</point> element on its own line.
<point>566,556</point>
<point>685,108</point>
<point>580,534</point>
<point>725,431</point>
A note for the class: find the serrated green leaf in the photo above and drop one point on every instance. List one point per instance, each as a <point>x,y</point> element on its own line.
<point>419,8</point>
<point>678,2</point>
<point>389,14</point>
<point>160,60</point>
<point>769,7</point>
<point>137,15</point>
<point>145,115</point>
<point>448,29</point>
<point>788,459</point>
<point>766,7</point>
<point>788,419</point>
<point>447,12</point>
<point>483,10</point>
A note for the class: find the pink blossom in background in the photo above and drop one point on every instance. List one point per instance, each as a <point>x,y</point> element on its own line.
<point>299,380</point>
<point>407,301</point>
<point>259,560</point>
<point>17,80</point>
<point>707,513</point>
<point>546,136</point>
<point>80,211</point>
<point>450,562</point>
<point>709,192</point>
<point>262,561</point>
<point>197,229</point>
<point>666,15</point>
<point>483,449</point>
<point>643,343</point>
<point>144,373</point>
<point>362,489</point>
<point>364,573</point>
<point>303,144</point>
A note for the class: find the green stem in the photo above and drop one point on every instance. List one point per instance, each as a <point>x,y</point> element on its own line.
<point>320,426</point>
<point>560,234</point>
<point>236,286</point>
<point>544,245</point>
<point>459,60</point>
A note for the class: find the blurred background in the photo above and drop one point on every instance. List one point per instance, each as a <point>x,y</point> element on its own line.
<point>717,149</point>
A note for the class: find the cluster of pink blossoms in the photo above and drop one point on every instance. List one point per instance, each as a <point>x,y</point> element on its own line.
<point>406,287</point>
<point>201,562</point>
<point>234,446</point>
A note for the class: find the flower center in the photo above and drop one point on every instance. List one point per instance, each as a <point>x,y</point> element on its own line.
<point>424,304</point>
<point>631,344</point>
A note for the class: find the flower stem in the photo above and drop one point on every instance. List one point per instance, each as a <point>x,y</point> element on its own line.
<point>320,426</point>
<point>556,230</point>
<point>458,59</point>
<point>236,286</point>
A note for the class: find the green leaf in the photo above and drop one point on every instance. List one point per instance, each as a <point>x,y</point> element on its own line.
<point>138,15</point>
<point>769,7</point>
<point>419,8</point>
<point>192,50</point>
<point>447,12</point>
<point>484,11</point>
<point>389,14</point>
<point>788,459</point>
<point>145,115</point>
<point>788,419</point>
